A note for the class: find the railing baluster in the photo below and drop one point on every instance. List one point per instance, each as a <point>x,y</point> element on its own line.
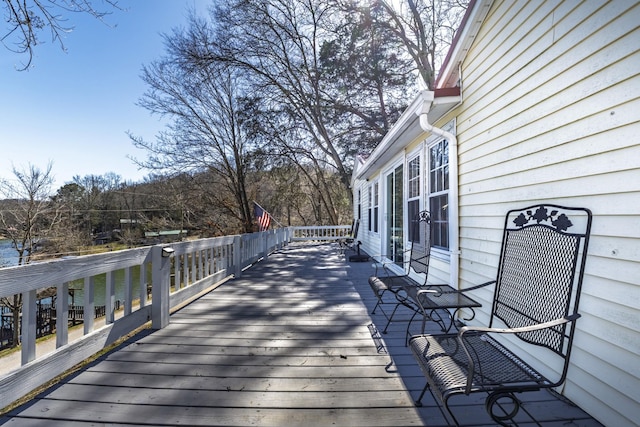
<point>185,265</point>
<point>128,291</point>
<point>28,326</point>
<point>194,270</point>
<point>89,306</point>
<point>143,285</point>
<point>110,297</point>
<point>177,271</point>
<point>62,315</point>
<point>237,257</point>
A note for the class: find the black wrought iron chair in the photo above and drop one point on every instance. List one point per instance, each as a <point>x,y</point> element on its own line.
<point>535,303</point>
<point>384,282</point>
<point>349,241</point>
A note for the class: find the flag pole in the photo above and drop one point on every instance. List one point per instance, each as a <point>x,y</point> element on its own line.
<point>267,212</point>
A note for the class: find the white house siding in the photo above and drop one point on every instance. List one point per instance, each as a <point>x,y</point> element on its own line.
<point>551,112</point>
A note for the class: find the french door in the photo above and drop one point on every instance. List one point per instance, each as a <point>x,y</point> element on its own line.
<point>394,214</point>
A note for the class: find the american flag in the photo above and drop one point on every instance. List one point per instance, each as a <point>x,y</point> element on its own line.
<point>262,217</point>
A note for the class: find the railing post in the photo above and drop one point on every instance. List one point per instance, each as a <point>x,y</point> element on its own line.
<point>28,327</point>
<point>160,279</point>
<point>237,256</point>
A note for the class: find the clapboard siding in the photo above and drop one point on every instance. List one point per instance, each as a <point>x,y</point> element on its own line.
<point>551,113</point>
<point>543,69</point>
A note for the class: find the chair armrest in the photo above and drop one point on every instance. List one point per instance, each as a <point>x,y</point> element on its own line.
<point>418,300</point>
<point>538,326</point>
<point>465,329</point>
<point>381,262</point>
<point>472,288</point>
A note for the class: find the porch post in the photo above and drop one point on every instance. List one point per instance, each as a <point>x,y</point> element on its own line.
<point>160,279</point>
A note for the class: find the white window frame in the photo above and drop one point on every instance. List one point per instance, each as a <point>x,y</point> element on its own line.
<point>376,207</point>
<point>418,156</point>
<point>373,210</point>
<point>432,193</point>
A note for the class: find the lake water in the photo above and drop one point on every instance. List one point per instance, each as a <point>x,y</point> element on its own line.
<point>9,257</point>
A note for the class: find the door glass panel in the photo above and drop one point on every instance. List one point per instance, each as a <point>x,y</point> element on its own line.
<point>395,238</point>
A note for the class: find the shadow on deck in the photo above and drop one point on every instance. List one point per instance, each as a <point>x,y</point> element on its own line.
<point>289,343</point>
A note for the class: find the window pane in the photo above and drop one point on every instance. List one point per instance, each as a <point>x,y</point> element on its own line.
<point>414,178</point>
<point>375,194</point>
<point>439,208</point>
<point>412,211</point>
<point>438,197</point>
<point>375,219</point>
<point>445,178</point>
<point>445,152</point>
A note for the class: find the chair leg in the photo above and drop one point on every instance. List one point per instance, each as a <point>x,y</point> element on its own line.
<point>384,331</point>
<point>445,402</point>
<point>446,406</point>
<point>408,335</point>
<point>503,406</point>
<point>379,296</point>
<point>418,401</point>
<point>375,307</point>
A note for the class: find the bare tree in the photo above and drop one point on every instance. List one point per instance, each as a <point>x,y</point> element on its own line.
<point>33,216</point>
<point>317,81</point>
<point>322,105</point>
<point>27,19</point>
<point>426,28</point>
<point>278,43</point>
<point>28,222</point>
<point>206,104</point>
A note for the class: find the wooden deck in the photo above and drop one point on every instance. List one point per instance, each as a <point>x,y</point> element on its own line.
<point>289,343</point>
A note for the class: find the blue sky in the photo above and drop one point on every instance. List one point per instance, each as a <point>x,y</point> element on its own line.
<point>74,108</point>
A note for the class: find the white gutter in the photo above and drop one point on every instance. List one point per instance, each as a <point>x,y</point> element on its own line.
<point>454,249</point>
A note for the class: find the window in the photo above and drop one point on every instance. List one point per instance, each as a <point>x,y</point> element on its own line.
<point>373,207</point>
<point>376,203</point>
<point>413,203</point>
<point>439,193</point>
<point>395,215</point>
<point>370,210</point>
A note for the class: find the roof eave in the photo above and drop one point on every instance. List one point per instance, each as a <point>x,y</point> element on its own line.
<point>449,75</point>
<point>407,129</point>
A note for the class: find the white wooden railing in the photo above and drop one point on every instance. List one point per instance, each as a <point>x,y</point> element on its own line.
<point>320,233</point>
<point>176,273</point>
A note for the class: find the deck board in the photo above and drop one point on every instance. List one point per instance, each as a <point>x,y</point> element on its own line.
<point>288,343</point>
